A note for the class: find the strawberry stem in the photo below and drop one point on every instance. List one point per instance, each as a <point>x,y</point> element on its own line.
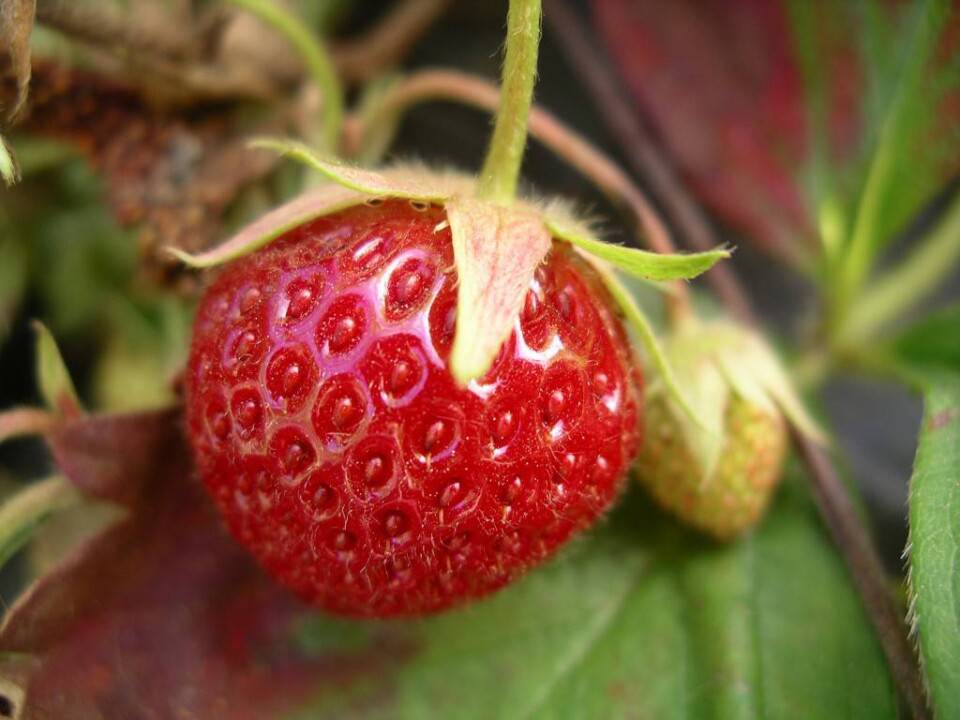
<point>318,62</point>
<point>905,286</point>
<point>501,169</point>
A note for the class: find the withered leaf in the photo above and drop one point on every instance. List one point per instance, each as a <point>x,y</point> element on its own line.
<point>16,23</point>
<point>173,173</point>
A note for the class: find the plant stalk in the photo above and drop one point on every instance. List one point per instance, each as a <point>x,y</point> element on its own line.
<point>864,242</point>
<point>564,142</point>
<point>501,169</point>
<point>907,284</point>
<point>318,62</point>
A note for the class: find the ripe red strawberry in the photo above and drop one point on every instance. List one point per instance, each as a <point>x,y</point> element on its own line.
<point>342,453</point>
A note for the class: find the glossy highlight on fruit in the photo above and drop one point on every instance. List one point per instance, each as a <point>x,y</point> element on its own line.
<point>340,451</point>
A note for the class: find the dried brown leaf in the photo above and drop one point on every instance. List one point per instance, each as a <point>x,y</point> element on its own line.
<point>172,174</point>
<point>16,23</point>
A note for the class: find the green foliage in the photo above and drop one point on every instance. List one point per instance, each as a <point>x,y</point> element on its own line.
<point>81,259</point>
<point>56,387</point>
<point>78,257</point>
<point>935,540</point>
<point>906,84</point>
<point>21,514</point>
<point>60,242</point>
<point>907,143</point>
<point>929,355</point>
<point>640,619</point>
<point>934,341</point>
<point>135,371</point>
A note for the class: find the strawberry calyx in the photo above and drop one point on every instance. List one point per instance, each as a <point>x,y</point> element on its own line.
<point>715,362</point>
<point>498,239</point>
<point>496,248</point>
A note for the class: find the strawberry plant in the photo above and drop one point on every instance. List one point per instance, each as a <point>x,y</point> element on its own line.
<point>305,431</point>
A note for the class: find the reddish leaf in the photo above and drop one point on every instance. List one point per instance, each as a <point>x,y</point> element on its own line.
<point>162,615</point>
<point>718,80</point>
<point>103,455</point>
<point>173,174</point>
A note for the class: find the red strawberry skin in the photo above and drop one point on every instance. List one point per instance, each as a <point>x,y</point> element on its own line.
<point>329,431</point>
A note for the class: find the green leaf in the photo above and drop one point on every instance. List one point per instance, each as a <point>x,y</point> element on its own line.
<point>641,619</point>
<point>25,511</point>
<point>638,321</point>
<point>929,355</point>
<point>935,540</point>
<point>910,155</point>
<point>640,263</point>
<point>52,375</point>
<point>933,341</point>
<point>411,185</point>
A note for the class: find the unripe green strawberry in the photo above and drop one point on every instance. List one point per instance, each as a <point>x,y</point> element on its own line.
<point>747,472</point>
<point>716,444</point>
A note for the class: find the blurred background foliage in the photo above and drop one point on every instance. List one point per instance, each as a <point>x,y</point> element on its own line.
<point>823,137</point>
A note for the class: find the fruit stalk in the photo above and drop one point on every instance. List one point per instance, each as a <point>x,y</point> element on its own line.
<point>501,169</point>
<point>367,137</point>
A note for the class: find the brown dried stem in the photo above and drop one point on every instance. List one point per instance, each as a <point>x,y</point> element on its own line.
<point>107,28</point>
<point>451,85</point>
<point>843,522</point>
<point>833,501</point>
<point>384,45</point>
<point>182,57</point>
<point>642,153</point>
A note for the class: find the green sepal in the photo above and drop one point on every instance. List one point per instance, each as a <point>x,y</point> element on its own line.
<point>56,387</point>
<point>637,320</point>
<point>638,263</point>
<point>362,180</point>
<point>24,512</point>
